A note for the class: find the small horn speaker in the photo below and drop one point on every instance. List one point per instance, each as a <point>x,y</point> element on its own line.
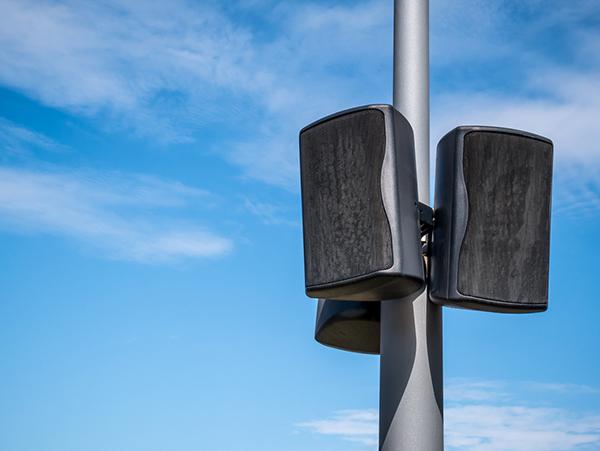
<point>349,325</point>
<point>359,194</point>
<point>491,237</point>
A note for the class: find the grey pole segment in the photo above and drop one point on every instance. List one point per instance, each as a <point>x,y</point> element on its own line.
<point>411,382</point>
<point>411,79</point>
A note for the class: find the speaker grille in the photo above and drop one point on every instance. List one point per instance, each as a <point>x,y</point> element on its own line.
<point>346,230</point>
<point>506,243</point>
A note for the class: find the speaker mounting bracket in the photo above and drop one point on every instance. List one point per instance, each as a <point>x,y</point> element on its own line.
<point>425,218</point>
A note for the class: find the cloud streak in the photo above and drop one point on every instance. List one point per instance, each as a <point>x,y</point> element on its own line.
<point>487,416</point>
<point>566,113</point>
<point>269,213</point>
<point>16,140</point>
<point>360,426</point>
<point>488,427</point>
<point>155,67</point>
<point>120,214</point>
<point>169,70</point>
<point>174,69</point>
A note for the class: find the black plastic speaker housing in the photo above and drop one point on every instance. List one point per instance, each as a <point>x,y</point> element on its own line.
<point>491,236</point>
<point>359,194</point>
<point>349,325</point>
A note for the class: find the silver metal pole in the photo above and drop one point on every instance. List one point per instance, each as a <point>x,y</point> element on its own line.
<point>411,391</point>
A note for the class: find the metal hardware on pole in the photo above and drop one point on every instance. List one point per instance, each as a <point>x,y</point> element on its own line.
<point>411,382</point>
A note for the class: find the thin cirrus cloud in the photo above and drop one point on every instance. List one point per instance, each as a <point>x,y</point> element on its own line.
<point>172,69</point>
<point>269,213</point>
<point>119,214</point>
<point>488,427</point>
<point>551,90</point>
<point>151,65</point>
<point>487,416</point>
<point>17,141</point>
<point>461,390</point>
<point>567,114</point>
<point>359,426</point>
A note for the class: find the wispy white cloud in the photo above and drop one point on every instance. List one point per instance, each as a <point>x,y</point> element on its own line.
<point>468,390</point>
<point>488,427</point>
<point>488,416</point>
<point>474,390</point>
<point>566,113</point>
<point>508,31</point>
<point>359,426</point>
<point>18,140</point>
<point>156,67</point>
<point>577,190</point>
<point>552,89</point>
<point>170,69</point>
<point>121,214</point>
<point>563,388</point>
<point>269,213</point>
<point>500,415</point>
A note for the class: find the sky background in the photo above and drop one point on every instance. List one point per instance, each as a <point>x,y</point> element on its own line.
<point>151,283</point>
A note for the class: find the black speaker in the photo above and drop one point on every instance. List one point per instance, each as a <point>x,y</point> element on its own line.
<point>359,193</point>
<point>491,237</point>
<point>349,325</point>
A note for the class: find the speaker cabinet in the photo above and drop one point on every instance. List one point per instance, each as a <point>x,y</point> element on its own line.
<point>492,220</point>
<point>349,325</point>
<point>359,193</point>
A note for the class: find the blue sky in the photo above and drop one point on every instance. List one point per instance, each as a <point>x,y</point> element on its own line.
<point>151,292</point>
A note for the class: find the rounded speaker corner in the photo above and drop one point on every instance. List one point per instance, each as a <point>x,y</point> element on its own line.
<point>372,288</point>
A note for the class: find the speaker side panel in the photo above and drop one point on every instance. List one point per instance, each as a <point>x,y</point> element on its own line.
<point>408,240</point>
<point>444,211</point>
<point>505,252</point>
<point>346,231</point>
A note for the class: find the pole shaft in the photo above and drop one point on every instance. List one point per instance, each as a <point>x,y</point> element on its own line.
<point>411,390</point>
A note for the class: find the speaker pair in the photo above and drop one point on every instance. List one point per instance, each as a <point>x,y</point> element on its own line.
<point>491,234</point>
